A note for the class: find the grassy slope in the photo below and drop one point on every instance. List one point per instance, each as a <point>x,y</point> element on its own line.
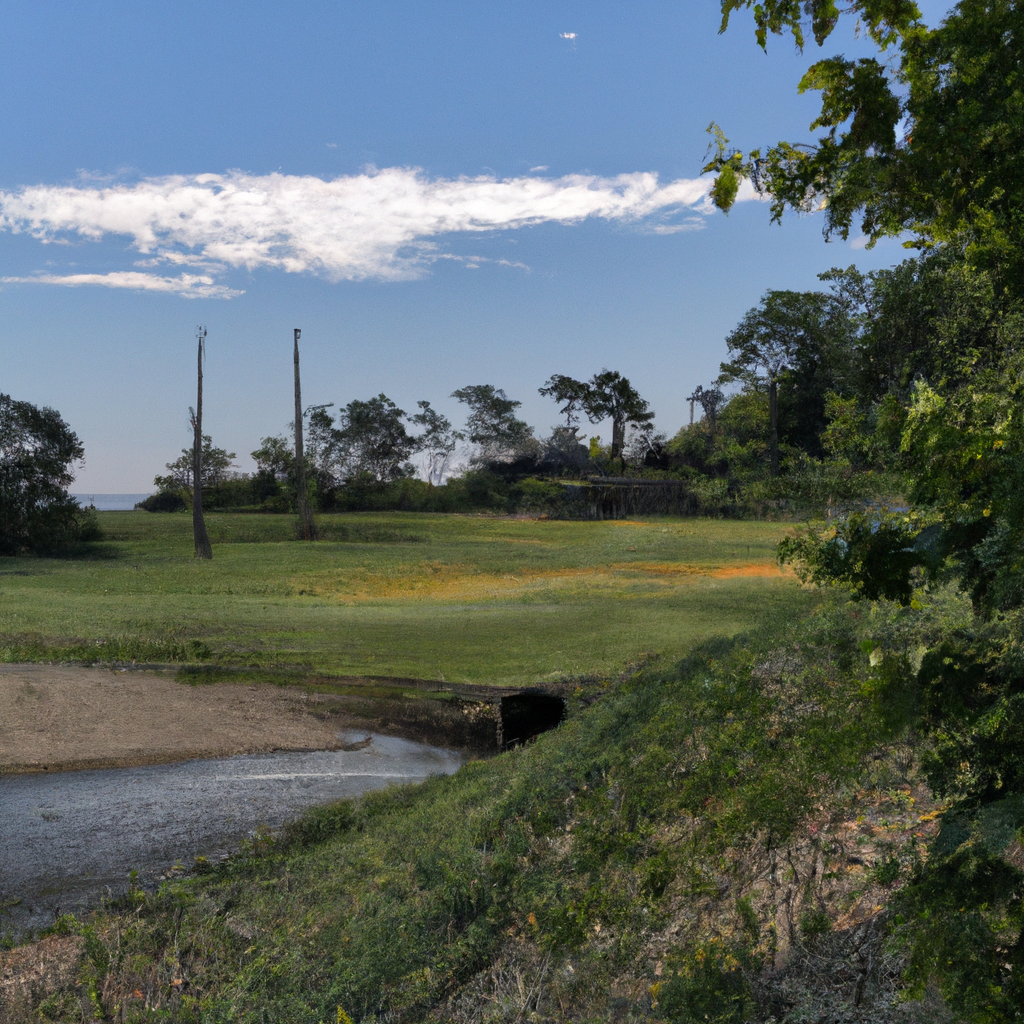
<point>467,599</point>
<point>706,841</point>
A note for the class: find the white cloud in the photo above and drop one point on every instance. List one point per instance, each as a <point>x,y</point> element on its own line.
<point>191,286</point>
<point>567,35</point>
<point>474,261</point>
<point>539,167</point>
<point>747,193</point>
<point>690,224</point>
<point>377,224</point>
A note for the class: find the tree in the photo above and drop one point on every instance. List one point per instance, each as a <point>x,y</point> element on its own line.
<point>610,395</point>
<point>957,320</point>
<point>710,399</point>
<point>646,448</point>
<point>787,336</point>
<point>493,426</point>
<point>216,462</point>
<point>762,347</point>
<point>929,139</point>
<point>562,452</point>
<point>571,394</point>
<point>274,458</point>
<point>38,453</point>
<point>372,441</point>
<point>437,442</point>
<point>306,528</point>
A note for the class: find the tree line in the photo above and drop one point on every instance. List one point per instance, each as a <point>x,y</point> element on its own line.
<point>369,444</point>
<point>809,407</point>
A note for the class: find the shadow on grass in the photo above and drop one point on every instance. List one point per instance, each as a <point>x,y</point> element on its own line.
<point>87,551</point>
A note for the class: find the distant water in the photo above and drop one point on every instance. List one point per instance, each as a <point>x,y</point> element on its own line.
<point>111,502</point>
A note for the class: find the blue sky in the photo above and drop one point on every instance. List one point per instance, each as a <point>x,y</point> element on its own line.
<point>438,194</point>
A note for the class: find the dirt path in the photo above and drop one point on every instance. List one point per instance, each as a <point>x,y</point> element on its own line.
<point>55,718</point>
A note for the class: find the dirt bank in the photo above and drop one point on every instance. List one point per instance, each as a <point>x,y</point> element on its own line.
<point>56,717</point>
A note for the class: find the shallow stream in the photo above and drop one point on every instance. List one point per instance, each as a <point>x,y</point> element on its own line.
<point>71,838</point>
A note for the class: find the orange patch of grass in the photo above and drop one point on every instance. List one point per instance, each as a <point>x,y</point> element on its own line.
<point>661,568</point>
<point>438,581</point>
<point>751,569</point>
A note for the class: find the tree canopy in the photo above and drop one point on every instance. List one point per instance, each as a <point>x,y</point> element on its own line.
<point>572,395</point>
<point>437,442</point>
<point>368,440</point>
<point>492,425</point>
<point>930,143</point>
<point>607,395</point>
<point>927,138</point>
<point>216,463</point>
<point>38,454</point>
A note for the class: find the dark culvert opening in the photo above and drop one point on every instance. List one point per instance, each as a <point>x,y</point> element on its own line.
<point>525,715</point>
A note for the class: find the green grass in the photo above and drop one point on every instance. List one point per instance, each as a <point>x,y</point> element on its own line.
<point>460,598</point>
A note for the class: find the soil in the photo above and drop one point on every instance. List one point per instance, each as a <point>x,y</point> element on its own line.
<point>29,974</point>
<point>68,717</point>
<point>61,717</point>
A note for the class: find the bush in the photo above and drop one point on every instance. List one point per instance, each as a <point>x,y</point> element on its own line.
<point>89,525</point>
<point>163,501</point>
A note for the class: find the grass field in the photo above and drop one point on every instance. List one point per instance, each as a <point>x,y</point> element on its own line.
<point>459,598</point>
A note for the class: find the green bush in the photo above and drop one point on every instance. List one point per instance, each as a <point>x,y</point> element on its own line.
<point>163,501</point>
<point>709,986</point>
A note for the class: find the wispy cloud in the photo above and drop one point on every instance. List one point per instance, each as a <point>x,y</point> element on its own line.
<point>375,225</point>
<point>191,286</point>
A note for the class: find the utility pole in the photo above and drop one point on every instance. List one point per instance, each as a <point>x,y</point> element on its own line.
<point>306,525</point>
<point>201,537</point>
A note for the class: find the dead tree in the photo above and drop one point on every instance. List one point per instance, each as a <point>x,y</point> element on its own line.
<point>202,538</point>
<point>306,526</point>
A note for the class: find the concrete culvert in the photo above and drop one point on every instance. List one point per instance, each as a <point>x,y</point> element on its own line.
<point>525,715</point>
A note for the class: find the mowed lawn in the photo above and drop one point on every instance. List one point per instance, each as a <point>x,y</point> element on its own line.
<point>459,598</point>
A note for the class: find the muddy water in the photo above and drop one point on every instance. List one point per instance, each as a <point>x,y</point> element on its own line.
<point>68,839</point>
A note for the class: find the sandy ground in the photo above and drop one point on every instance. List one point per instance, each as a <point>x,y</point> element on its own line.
<point>55,718</point>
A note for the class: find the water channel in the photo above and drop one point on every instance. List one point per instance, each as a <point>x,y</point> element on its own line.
<point>71,838</point>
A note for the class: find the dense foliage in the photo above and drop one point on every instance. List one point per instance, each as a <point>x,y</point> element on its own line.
<point>942,334</point>
<point>38,454</point>
<point>927,137</point>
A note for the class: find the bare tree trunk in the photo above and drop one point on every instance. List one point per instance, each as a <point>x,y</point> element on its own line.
<point>202,538</point>
<point>618,437</point>
<point>306,525</point>
<point>773,430</point>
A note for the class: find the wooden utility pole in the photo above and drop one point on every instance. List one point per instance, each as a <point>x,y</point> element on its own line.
<point>306,525</point>
<point>202,538</point>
